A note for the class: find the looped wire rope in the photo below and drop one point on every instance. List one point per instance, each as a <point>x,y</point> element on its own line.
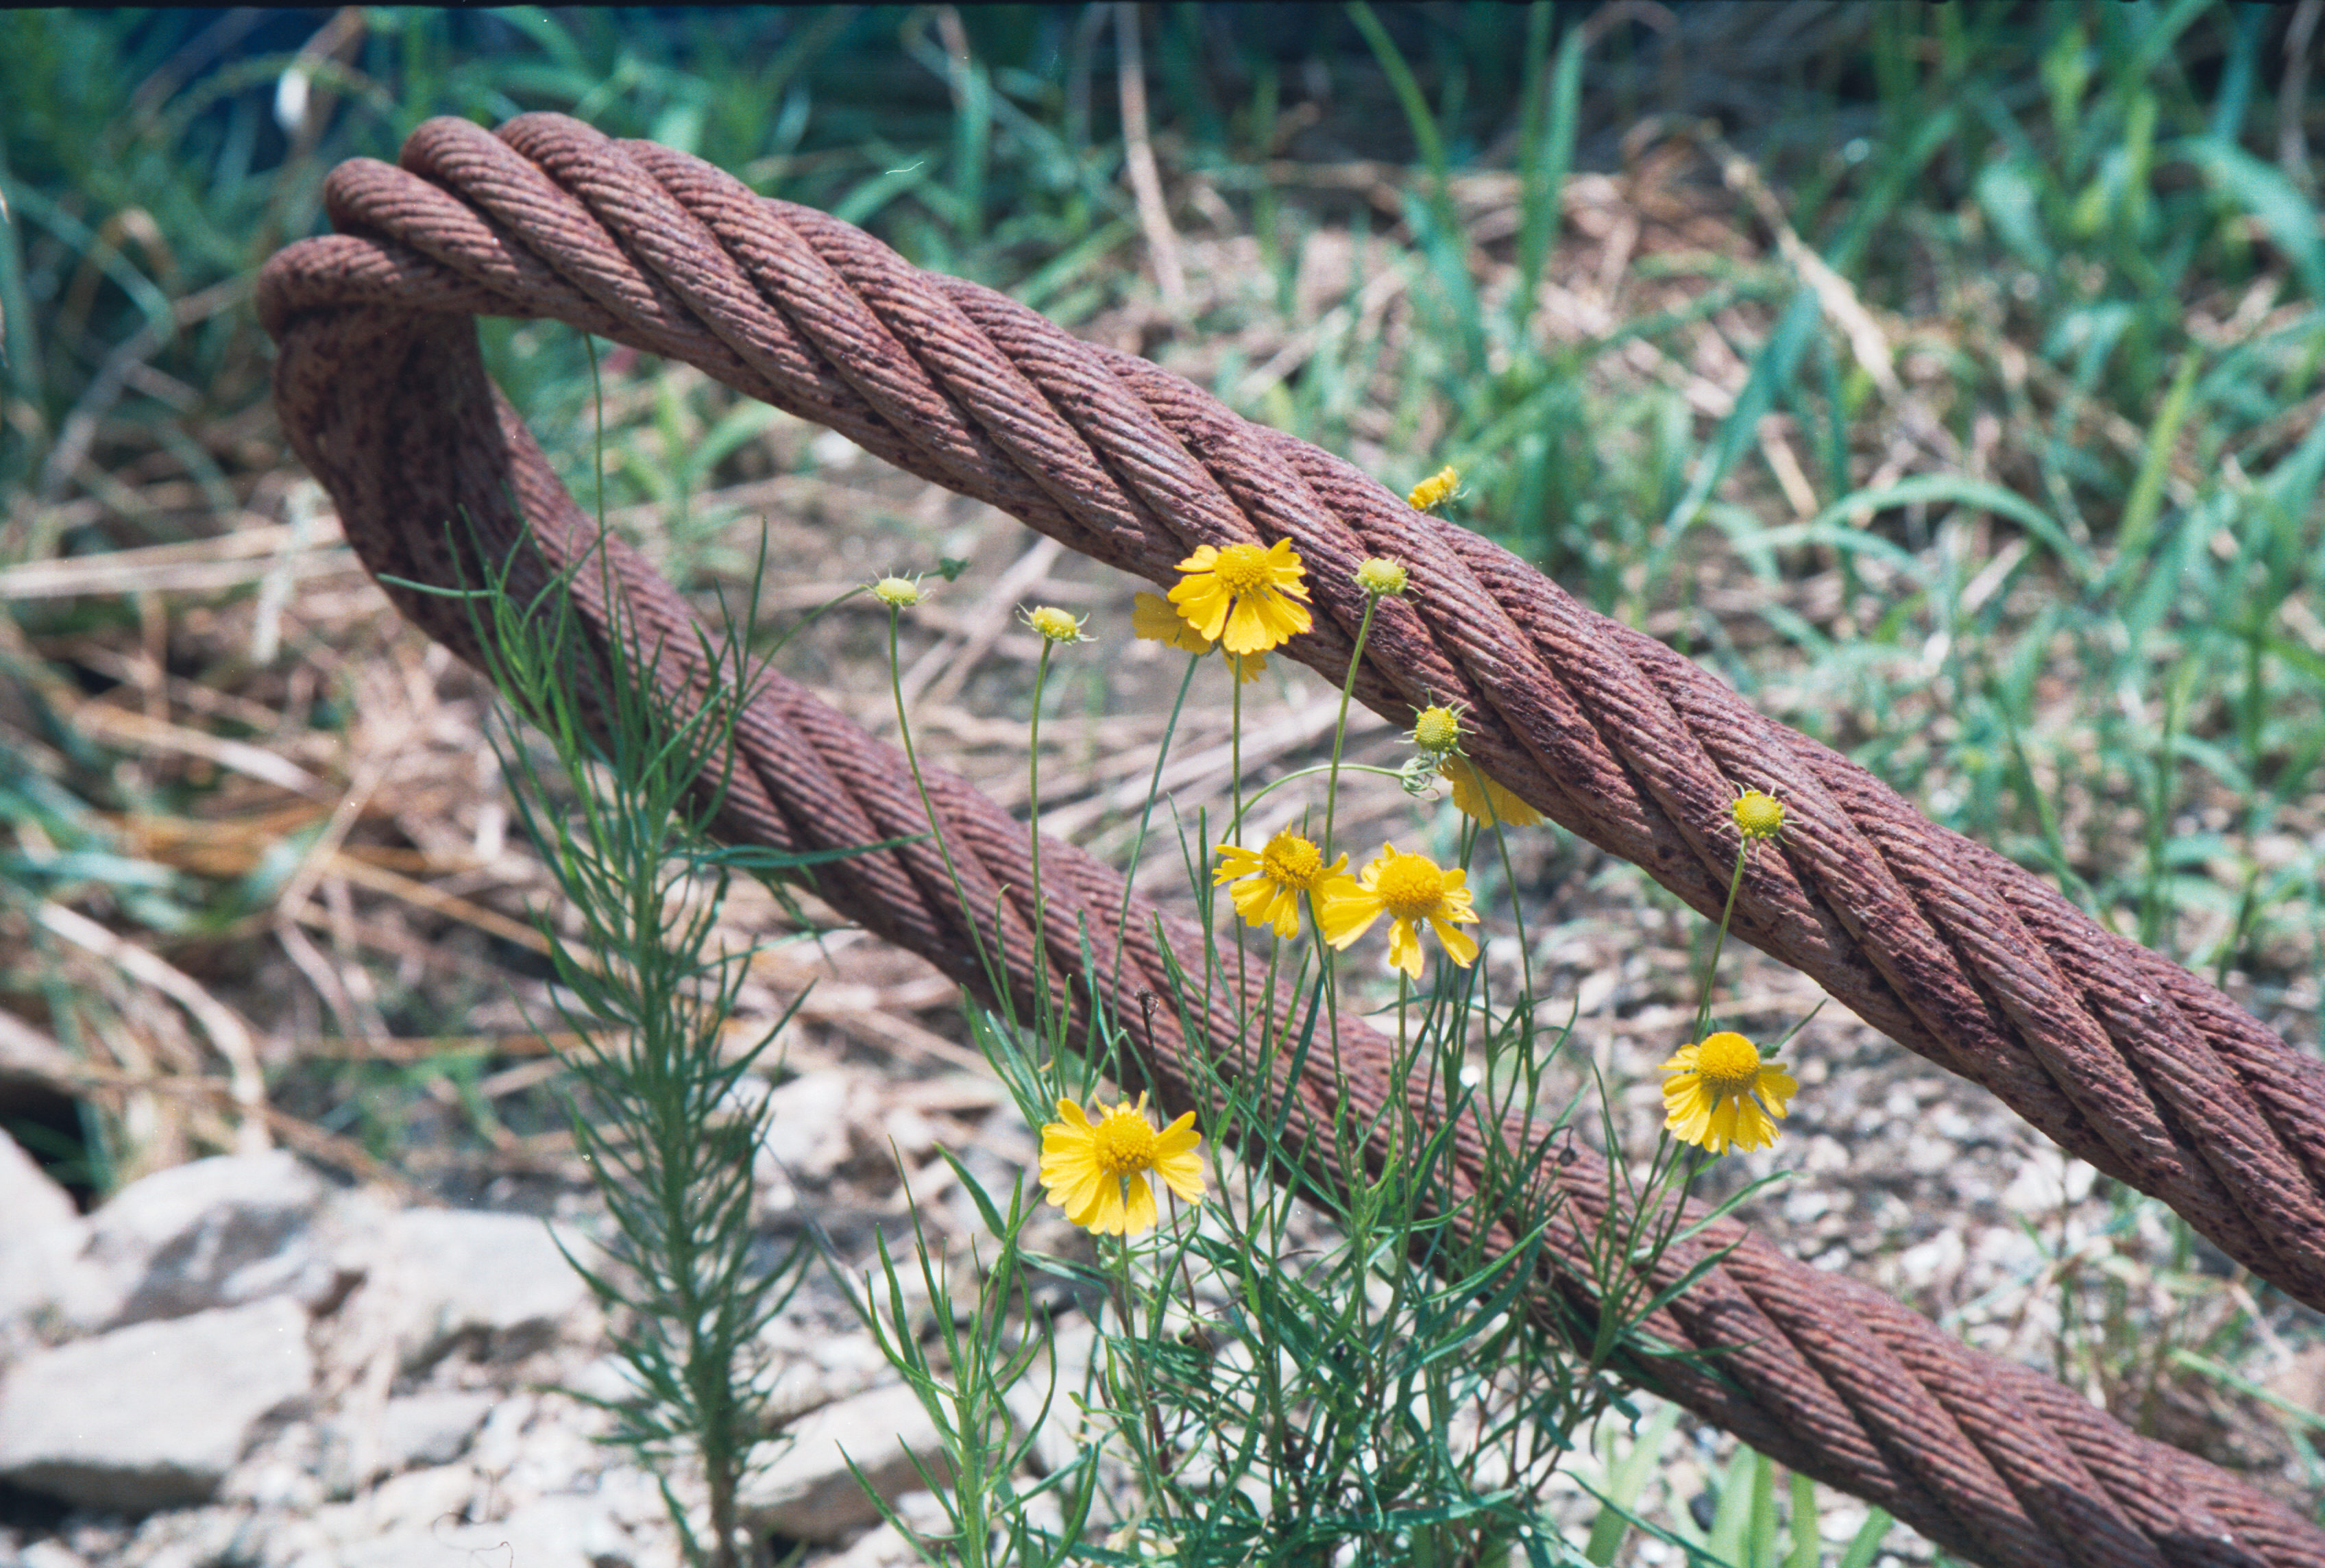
<point>2119,1056</point>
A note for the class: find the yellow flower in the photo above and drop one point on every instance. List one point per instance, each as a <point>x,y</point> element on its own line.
<point>1152,619</point>
<point>1434,489</point>
<point>1481,798</point>
<point>1249,596</point>
<point>1057,625</point>
<point>1437,731</point>
<point>1757,817</point>
<point>1719,1092</point>
<point>1411,888</point>
<point>1381,577</point>
<point>1268,882</point>
<point>897,592</point>
<point>1096,1170</point>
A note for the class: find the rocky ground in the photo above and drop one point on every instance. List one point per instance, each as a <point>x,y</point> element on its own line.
<point>237,1361</point>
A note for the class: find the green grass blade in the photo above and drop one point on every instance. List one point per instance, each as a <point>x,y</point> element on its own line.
<point>1866,1544</point>
<point>2289,216</point>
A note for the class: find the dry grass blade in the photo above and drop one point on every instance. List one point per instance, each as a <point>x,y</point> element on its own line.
<point>226,1031</point>
<point>104,721</point>
<point>248,554</point>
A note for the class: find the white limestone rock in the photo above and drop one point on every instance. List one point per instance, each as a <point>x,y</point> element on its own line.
<point>406,1508</point>
<point>41,1235</point>
<point>28,1199</point>
<point>434,1428</point>
<point>208,1234</point>
<point>46,1553</point>
<point>192,1539</point>
<point>36,1268</point>
<point>424,1523</point>
<point>153,1416</point>
<point>496,1282</point>
<point>810,1494</point>
<point>887,1546</point>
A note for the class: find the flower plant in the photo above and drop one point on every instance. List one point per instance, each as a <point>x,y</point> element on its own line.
<point>1251,1397</point>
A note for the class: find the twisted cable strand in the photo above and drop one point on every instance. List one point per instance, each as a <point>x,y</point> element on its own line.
<point>383,395</point>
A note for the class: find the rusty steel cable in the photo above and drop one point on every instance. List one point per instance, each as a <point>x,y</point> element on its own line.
<point>2117,1054</point>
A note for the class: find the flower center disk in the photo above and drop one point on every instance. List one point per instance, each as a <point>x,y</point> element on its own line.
<point>1242,568</point>
<point>1410,886</point>
<point>1759,815</point>
<point>1728,1061</point>
<point>1294,864</point>
<point>1437,730</point>
<point>1125,1143</point>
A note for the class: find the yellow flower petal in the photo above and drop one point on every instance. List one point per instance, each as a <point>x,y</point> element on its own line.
<point>1478,797</point>
<point>1104,1215</point>
<point>1141,1214</point>
<point>1405,948</point>
<point>1234,860</point>
<point>1247,628</point>
<point>1753,1130</point>
<point>1721,1131</point>
<point>1204,605</point>
<point>1460,946</point>
<point>1154,619</point>
<point>1690,1119</point>
<point>1184,1175</point>
<point>1777,1087</point>
<point>1346,909</point>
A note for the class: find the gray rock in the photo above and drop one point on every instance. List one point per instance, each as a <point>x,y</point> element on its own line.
<point>153,1416</point>
<point>407,1508</point>
<point>810,1494</point>
<point>49,1553</point>
<point>281,1471</point>
<point>495,1281</point>
<point>422,1429</point>
<point>41,1237</point>
<point>37,1267</point>
<point>808,1122</point>
<point>192,1539</point>
<point>568,1530</point>
<point>211,1234</point>
<point>29,1199</point>
<point>888,1546</point>
<point>815,1366</point>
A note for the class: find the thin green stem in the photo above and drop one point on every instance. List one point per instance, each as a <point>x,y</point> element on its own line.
<point>1147,813</point>
<point>929,806</point>
<point>1033,833</point>
<point>1273,785</point>
<point>1340,729</point>
<point>1703,1000</point>
<point>1235,755</point>
<point>1325,954</point>
<point>1510,877</point>
<point>1147,1420</point>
